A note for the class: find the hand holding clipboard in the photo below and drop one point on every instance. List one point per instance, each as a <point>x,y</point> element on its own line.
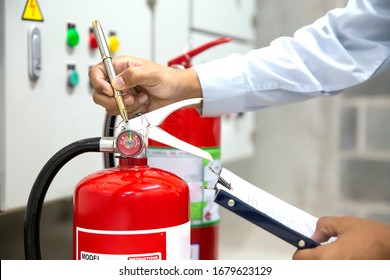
<point>274,215</point>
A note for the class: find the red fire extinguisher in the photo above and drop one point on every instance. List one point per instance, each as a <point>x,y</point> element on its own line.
<point>132,211</point>
<point>203,132</point>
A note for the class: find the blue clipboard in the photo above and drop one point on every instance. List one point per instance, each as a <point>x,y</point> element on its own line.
<point>253,215</point>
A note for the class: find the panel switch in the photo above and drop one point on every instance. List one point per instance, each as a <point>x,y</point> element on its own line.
<point>113,42</point>
<point>72,36</point>
<point>34,53</point>
<point>72,76</point>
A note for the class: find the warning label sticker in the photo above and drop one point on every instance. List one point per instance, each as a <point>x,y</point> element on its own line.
<point>144,257</point>
<point>32,11</point>
<point>130,245</point>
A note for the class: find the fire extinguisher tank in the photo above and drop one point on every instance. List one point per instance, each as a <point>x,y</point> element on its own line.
<point>117,209</point>
<point>203,132</point>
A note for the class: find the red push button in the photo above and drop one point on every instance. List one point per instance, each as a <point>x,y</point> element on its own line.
<point>92,40</point>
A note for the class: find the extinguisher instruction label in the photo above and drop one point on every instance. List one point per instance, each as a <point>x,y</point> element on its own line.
<point>134,245</point>
<point>88,256</point>
<point>195,171</point>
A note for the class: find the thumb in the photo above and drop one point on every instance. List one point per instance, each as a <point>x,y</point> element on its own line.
<point>118,83</point>
<point>326,228</point>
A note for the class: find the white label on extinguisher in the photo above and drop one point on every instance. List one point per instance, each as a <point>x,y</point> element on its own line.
<point>195,171</point>
<point>88,256</point>
<point>171,243</point>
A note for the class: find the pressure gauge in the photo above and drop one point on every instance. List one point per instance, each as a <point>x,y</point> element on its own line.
<point>130,143</point>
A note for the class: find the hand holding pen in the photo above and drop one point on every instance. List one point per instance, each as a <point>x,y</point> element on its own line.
<point>107,60</point>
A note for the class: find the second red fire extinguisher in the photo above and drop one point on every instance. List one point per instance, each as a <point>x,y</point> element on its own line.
<point>203,132</point>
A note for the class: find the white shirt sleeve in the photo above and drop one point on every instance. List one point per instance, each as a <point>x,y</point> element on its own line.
<point>344,48</point>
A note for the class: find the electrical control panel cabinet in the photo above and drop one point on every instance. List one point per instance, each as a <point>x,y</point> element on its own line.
<point>45,93</point>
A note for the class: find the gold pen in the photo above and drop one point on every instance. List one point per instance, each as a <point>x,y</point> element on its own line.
<point>107,60</point>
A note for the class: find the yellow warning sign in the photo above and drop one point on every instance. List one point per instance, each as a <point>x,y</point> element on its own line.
<point>32,11</point>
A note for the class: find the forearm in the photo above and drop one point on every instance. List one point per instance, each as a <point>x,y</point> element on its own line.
<point>342,49</point>
<point>188,84</point>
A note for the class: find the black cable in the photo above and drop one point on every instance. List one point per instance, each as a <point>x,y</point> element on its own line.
<point>109,128</point>
<point>32,248</point>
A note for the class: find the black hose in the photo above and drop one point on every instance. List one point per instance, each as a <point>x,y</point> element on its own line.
<point>32,248</point>
<point>109,128</point>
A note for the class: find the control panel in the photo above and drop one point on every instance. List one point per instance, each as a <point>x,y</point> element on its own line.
<point>45,93</point>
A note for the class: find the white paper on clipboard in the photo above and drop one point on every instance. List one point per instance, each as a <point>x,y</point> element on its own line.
<point>277,209</point>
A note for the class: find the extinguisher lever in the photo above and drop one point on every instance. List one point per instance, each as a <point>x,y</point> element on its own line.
<point>164,137</point>
<point>147,125</point>
<point>184,59</point>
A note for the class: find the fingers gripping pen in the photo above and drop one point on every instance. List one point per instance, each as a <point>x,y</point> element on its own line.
<point>107,60</point>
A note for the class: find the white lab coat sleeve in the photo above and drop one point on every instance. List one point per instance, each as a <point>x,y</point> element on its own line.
<point>344,48</point>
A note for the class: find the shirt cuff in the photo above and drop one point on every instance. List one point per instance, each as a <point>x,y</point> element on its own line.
<point>223,85</point>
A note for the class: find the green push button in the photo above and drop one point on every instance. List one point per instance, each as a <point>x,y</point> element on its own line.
<point>73,37</point>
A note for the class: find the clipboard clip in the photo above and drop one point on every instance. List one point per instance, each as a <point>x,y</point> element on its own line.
<point>221,181</point>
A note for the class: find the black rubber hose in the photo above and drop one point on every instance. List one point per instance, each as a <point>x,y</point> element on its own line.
<point>109,128</point>
<point>32,247</point>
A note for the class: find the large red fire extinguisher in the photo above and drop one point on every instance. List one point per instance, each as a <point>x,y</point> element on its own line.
<point>203,132</point>
<point>132,211</point>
